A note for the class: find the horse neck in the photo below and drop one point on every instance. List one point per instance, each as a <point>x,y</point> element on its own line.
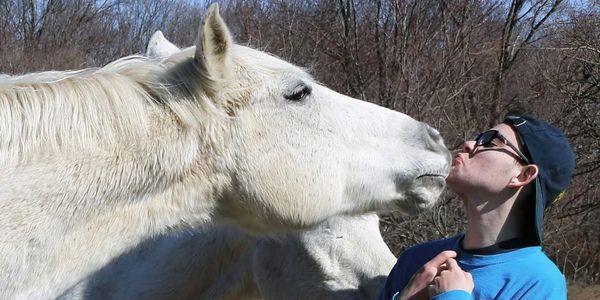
<point>104,229</point>
<point>158,162</point>
<point>167,193</point>
<point>102,196</point>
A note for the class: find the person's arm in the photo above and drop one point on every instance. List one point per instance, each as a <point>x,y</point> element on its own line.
<point>396,278</point>
<point>386,291</point>
<point>405,266</point>
<point>417,287</point>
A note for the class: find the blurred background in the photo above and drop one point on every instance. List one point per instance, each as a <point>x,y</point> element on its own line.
<point>459,65</point>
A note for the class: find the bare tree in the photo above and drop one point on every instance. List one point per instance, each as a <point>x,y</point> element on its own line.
<point>523,22</point>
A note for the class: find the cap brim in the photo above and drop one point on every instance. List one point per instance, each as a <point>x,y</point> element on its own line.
<point>539,210</point>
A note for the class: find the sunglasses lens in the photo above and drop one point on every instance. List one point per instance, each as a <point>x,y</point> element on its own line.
<point>485,138</point>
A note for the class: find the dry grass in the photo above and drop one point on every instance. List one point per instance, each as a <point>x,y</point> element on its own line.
<point>581,292</point>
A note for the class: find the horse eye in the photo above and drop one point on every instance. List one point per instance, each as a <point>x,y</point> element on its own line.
<point>299,93</point>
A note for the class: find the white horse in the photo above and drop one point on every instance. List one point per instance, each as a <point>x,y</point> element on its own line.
<point>96,161</point>
<point>343,258</point>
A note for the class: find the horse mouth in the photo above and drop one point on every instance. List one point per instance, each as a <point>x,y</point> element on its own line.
<point>435,181</point>
<point>431,175</point>
<point>422,193</point>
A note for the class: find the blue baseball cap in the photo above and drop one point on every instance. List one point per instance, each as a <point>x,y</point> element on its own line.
<point>547,147</point>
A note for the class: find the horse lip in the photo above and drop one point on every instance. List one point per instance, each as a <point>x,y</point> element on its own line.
<point>421,193</point>
<point>430,180</point>
<point>431,175</point>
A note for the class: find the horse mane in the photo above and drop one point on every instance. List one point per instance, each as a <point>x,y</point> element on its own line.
<point>101,105</point>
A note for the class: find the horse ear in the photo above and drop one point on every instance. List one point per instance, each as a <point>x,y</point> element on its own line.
<point>214,44</point>
<point>159,46</point>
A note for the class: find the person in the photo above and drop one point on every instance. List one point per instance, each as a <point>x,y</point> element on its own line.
<point>506,176</point>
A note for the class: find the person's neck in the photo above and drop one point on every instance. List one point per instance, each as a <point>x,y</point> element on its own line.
<point>489,222</point>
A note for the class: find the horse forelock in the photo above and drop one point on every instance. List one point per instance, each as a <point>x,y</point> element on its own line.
<point>229,94</point>
<point>112,104</point>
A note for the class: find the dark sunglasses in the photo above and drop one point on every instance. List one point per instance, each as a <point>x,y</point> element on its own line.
<point>486,138</point>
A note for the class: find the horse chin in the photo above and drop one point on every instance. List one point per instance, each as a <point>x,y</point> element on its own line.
<point>422,194</point>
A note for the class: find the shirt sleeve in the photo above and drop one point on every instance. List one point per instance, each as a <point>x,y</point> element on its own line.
<point>406,265</point>
<point>453,295</point>
<point>387,291</point>
<point>396,279</point>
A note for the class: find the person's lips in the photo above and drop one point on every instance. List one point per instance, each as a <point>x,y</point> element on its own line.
<point>457,160</point>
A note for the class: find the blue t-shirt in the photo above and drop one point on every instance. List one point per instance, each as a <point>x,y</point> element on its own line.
<point>525,273</point>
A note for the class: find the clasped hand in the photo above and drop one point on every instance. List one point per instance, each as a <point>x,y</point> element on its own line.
<point>439,275</point>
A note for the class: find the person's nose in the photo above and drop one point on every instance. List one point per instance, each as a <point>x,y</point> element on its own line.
<point>468,146</point>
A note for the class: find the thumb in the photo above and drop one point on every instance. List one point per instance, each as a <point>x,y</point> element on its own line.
<point>452,264</point>
<point>441,258</point>
<point>468,276</point>
<point>471,283</point>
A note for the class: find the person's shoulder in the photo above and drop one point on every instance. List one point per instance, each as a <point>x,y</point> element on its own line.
<point>535,257</point>
<point>545,270</point>
<point>548,268</point>
<point>527,273</point>
<point>546,281</point>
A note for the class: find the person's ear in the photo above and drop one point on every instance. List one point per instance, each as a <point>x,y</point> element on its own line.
<point>524,177</point>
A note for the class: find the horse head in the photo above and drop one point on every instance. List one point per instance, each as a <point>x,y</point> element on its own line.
<point>297,152</point>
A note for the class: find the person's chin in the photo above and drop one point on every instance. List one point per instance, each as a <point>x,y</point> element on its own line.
<point>452,180</point>
<point>451,175</point>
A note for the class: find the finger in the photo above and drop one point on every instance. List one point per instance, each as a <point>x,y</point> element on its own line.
<point>443,267</point>
<point>468,276</point>
<point>432,290</point>
<point>452,264</point>
<point>433,287</point>
<point>441,258</point>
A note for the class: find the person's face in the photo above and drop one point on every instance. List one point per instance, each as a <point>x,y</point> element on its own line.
<point>487,168</point>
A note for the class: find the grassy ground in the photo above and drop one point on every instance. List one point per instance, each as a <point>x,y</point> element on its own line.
<point>580,292</point>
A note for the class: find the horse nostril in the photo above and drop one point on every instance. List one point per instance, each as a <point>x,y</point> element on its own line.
<point>435,142</point>
<point>434,139</point>
<point>435,135</point>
